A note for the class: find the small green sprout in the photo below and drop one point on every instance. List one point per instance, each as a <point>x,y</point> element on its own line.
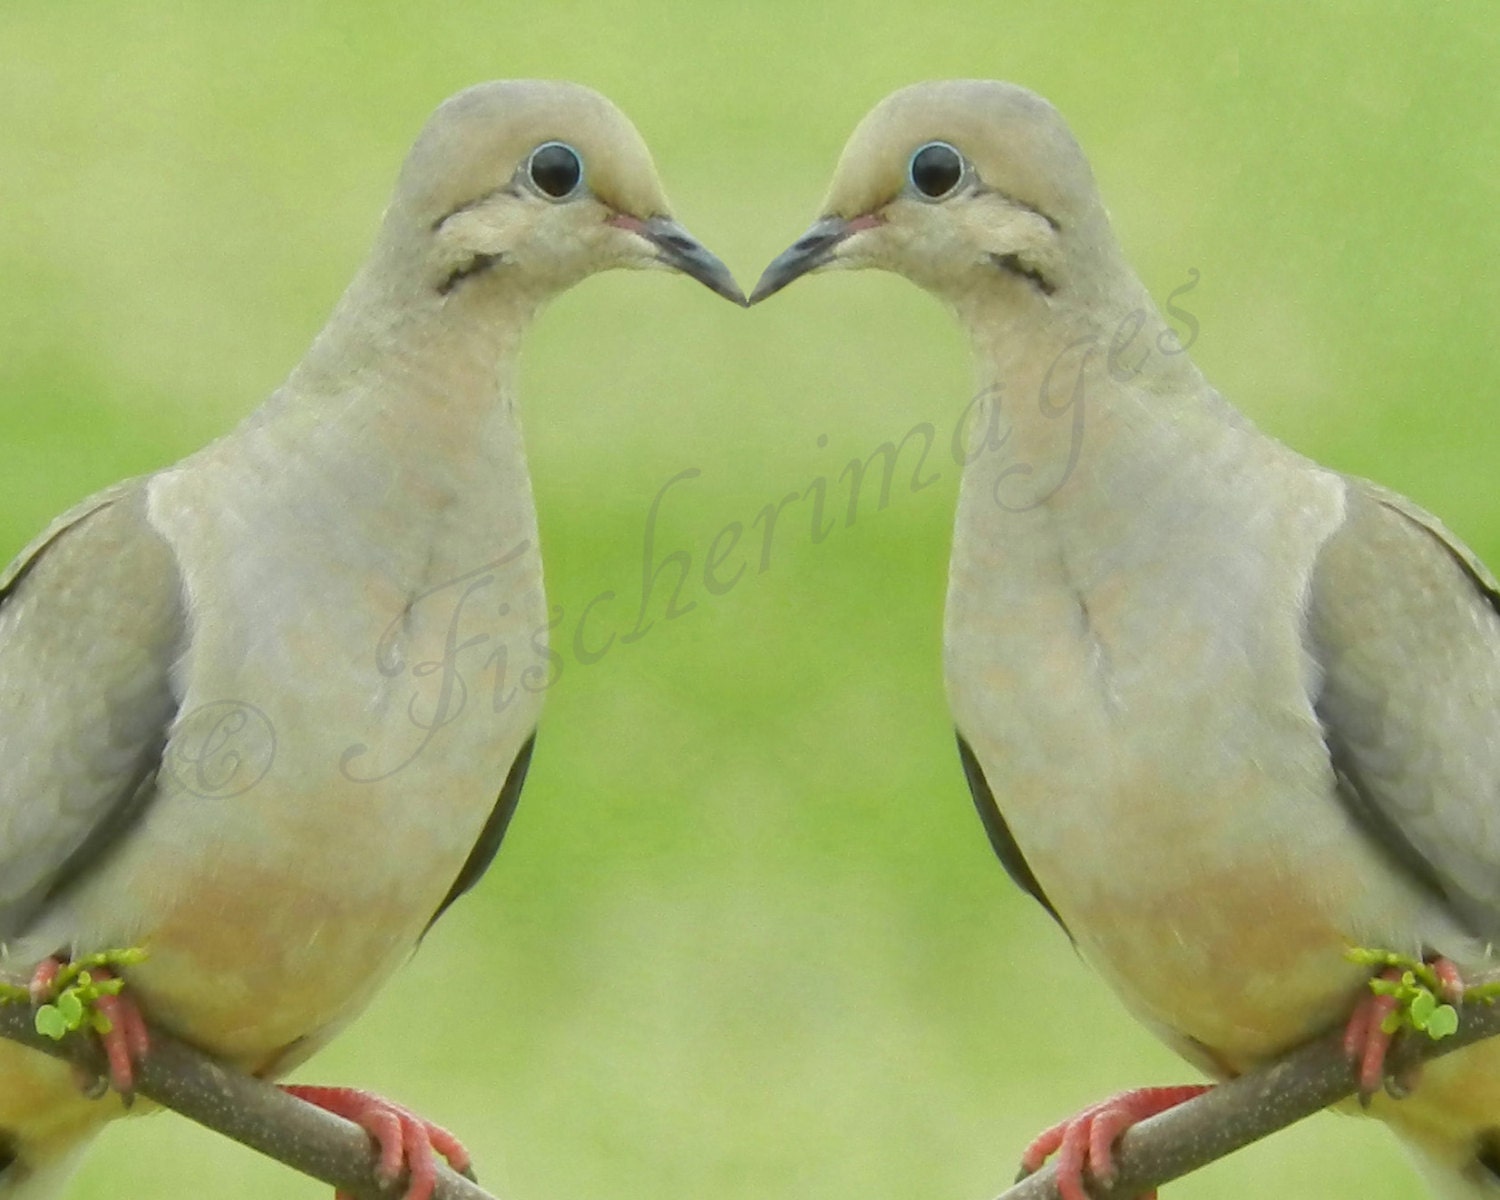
<point>74,1004</point>
<point>1417,991</point>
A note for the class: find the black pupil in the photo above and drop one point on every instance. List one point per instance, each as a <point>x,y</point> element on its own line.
<point>555,170</point>
<point>936,170</point>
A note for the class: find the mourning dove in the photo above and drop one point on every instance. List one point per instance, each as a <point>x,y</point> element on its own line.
<point>256,708</point>
<point>1226,713</point>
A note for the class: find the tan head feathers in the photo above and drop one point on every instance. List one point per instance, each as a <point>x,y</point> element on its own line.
<point>528,186</point>
<point>1015,139</point>
<point>484,133</point>
<point>957,185</point>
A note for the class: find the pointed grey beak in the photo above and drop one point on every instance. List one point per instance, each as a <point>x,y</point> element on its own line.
<point>681,251</point>
<point>812,250</point>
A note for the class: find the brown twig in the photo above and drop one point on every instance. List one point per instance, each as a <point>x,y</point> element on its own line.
<point>1244,1110</point>
<point>248,1110</point>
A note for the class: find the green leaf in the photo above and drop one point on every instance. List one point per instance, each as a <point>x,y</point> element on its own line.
<point>1423,1004</point>
<point>1443,1022</point>
<point>70,1008</point>
<point>50,1023</point>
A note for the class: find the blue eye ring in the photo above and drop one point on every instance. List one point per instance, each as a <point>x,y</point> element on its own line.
<point>555,170</point>
<point>936,170</point>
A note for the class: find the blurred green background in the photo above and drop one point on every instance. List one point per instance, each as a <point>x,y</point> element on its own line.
<point>746,938</point>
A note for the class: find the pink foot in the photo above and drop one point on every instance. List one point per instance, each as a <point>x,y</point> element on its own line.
<point>44,980</point>
<point>1451,984</point>
<point>1084,1144</point>
<point>1366,1043</point>
<point>127,1042</point>
<point>405,1141</point>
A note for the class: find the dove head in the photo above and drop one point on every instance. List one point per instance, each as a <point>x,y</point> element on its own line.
<point>966,187</point>
<point>526,187</point>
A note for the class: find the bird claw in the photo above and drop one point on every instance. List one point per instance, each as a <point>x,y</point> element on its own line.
<point>1084,1144</point>
<point>1403,994</point>
<point>406,1143</point>
<point>1451,986</point>
<point>1366,1039</point>
<point>94,996</point>
<point>43,982</point>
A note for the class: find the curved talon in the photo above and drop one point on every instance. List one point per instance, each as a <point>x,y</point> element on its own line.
<point>1355,1030</point>
<point>404,1141</point>
<point>127,1041</point>
<point>1073,1158</point>
<point>1451,985</point>
<point>385,1127</point>
<point>1043,1146</point>
<point>1084,1144</point>
<point>43,983</point>
<point>1377,1046</point>
<point>418,1151</point>
<point>1367,1045</point>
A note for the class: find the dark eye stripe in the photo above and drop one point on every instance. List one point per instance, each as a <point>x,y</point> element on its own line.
<point>936,170</point>
<point>555,170</point>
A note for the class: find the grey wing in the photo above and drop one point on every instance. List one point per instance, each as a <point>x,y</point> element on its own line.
<point>1404,623</point>
<point>1002,841</point>
<point>90,626</point>
<point>487,845</point>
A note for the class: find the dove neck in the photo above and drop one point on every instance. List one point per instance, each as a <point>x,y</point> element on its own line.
<point>398,435</point>
<point>404,378</point>
<point>1069,388</point>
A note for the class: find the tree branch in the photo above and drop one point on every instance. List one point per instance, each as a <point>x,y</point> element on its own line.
<point>1244,1110</point>
<point>1227,1118</point>
<point>248,1110</point>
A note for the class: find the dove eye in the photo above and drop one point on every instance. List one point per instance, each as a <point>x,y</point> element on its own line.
<point>555,170</point>
<point>936,170</point>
